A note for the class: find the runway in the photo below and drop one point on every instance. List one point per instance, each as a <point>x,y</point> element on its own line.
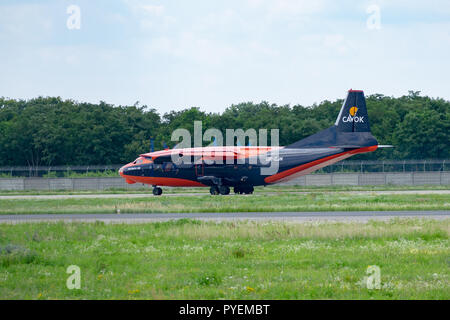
<point>144,195</point>
<point>347,216</point>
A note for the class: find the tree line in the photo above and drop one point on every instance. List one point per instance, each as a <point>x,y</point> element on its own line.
<point>51,131</point>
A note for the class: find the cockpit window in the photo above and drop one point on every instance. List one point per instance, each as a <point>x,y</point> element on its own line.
<point>138,161</point>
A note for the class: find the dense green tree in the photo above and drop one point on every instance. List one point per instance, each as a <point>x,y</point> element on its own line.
<point>424,134</point>
<point>52,131</point>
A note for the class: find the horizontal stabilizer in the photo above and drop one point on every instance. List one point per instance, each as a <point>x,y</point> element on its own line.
<point>347,147</point>
<point>385,146</point>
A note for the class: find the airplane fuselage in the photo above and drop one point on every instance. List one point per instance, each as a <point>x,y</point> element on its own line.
<point>237,171</point>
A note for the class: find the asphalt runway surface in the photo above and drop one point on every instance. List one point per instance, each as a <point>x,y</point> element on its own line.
<point>145,195</point>
<point>347,216</point>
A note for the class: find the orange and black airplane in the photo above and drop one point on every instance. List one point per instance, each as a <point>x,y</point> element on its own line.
<point>350,135</point>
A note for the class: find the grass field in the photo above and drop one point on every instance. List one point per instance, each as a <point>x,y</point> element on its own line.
<point>317,201</point>
<point>245,260</point>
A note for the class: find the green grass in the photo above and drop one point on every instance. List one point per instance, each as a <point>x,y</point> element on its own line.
<point>345,201</point>
<point>233,260</point>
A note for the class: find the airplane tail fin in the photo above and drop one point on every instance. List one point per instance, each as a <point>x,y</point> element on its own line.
<point>353,116</point>
<point>350,131</point>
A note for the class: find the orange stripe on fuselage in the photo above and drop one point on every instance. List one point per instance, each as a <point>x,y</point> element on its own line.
<point>162,181</point>
<point>281,175</point>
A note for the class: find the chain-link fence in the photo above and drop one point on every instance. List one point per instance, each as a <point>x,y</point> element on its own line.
<point>60,171</point>
<point>363,166</point>
<point>325,179</point>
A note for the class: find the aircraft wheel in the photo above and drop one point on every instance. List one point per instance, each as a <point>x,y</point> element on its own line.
<point>236,190</point>
<point>224,190</point>
<point>157,191</point>
<point>249,190</point>
<point>214,190</point>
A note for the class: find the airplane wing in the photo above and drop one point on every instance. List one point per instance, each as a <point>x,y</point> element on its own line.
<point>204,154</point>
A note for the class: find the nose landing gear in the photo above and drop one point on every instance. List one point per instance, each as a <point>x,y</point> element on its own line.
<point>157,191</point>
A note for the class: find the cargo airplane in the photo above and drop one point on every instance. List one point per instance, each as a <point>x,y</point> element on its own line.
<point>349,135</point>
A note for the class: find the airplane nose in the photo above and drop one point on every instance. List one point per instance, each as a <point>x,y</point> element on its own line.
<point>121,170</point>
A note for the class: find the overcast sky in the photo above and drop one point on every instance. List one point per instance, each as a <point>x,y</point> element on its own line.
<point>172,54</point>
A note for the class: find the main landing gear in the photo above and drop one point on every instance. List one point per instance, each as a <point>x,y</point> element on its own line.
<point>223,190</point>
<point>244,189</point>
<point>157,191</point>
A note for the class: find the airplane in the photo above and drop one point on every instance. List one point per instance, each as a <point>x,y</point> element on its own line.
<point>349,135</point>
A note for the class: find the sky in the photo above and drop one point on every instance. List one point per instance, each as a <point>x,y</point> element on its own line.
<point>174,54</point>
